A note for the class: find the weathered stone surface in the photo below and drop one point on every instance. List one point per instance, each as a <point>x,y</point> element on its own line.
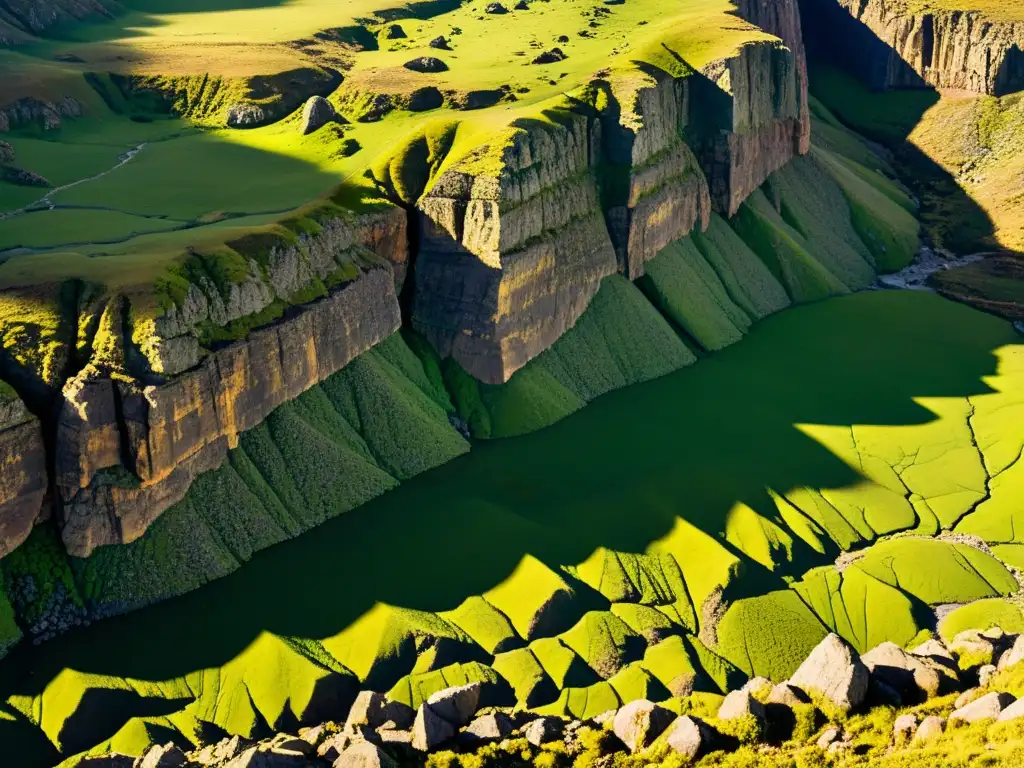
<point>892,47</point>
<point>788,695</point>
<point>835,671</point>
<point>6,153</point>
<point>741,704</point>
<point>1014,654</point>
<point>690,737</point>
<point>934,650</point>
<point>509,261</point>
<point>913,677</point>
<point>30,111</point>
<point>1013,712</point>
<point>37,17</point>
<point>23,478</point>
<point>985,673</point>
<point>221,752</point>
<point>161,756</point>
<point>364,755</point>
<point>543,730</point>
<point>930,728</point>
<point>973,643</point>
<point>828,737</point>
<point>988,707</point>
<point>430,730</point>
<point>456,705</point>
<point>491,727</point>
<point>639,723</point>
<point>317,113</point>
<point>170,433</point>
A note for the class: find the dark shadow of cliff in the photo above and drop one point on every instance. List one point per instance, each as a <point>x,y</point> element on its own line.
<point>853,73</point>
<point>621,473</point>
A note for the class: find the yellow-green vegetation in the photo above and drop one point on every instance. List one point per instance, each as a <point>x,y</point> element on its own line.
<point>516,566</point>
<point>995,10</point>
<point>983,614</point>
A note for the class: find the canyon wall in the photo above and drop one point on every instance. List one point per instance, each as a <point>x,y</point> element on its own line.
<point>23,476</point>
<point>511,244</point>
<point>890,47</point>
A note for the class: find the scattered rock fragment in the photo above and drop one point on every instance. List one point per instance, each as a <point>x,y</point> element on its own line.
<point>640,722</point>
<point>522,5</point>
<point>365,755</point>
<point>835,671</point>
<point>426,64</point>
<point>988,707</point>
<point>930,728</point>
<point>441,43</point>
<point>550,57</point>
<point>828,737</point>
<point>395,32</point>
<point>222,751</point>
<point>317,113</point>
<point>495,8</point>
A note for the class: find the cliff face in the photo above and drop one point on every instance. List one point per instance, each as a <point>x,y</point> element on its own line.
<point>893,48</point>
<point>22,473</point>
<point>512,243</point>
<point>38,16</point>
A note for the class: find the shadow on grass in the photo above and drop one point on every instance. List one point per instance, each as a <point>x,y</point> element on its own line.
<point>618,474</point>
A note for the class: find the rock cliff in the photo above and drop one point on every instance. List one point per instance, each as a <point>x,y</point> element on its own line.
<point>512,240</point>
<point>22,472</point>
<point>891,47</point>
<point>37,17</point>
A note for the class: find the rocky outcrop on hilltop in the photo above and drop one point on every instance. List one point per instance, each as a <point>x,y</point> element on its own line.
<point>154,408</point>
<point>892,47</point>
<point>46,114</point>
<point>798,721</point>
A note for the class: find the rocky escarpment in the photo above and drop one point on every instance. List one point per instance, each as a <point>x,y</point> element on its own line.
<point>22,472</point>
<point>514,240</point>
<point>891,47</point>
<point>139,423</point>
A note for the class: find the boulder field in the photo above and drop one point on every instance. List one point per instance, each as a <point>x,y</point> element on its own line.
<point>837,705</point>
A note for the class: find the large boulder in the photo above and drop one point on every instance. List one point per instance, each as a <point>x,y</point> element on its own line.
<point>788,695</point>
<point>690,737</point>
<point>456,705</point>
<point>1013,712</point>
<point>1014,654</point>
<point>374,710</point>
<point>914,678</point>
<point>640,722</point>
<point>904,728</point>
<point>491,727</point>
<point>430,730</point>
<point>317,113</point>
<point>739,704</point>
<point>365,755</point>
<point>930,728</point>
<point>222,751</point>
<point>988,707</point>
<point>430,64</point>
<point>836,672</point>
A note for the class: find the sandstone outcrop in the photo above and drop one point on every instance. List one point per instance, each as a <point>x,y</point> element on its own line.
<point>892,47</point>
<point>23,478</point>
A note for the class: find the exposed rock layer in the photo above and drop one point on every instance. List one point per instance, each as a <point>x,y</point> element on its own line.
<point>894,48</point>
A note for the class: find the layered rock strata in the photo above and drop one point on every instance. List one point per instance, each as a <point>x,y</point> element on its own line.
<point>153,408</point>
<point>509,259</point>
<point>23,477</point>
<point>891,47</point>
<point>752,121</point>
